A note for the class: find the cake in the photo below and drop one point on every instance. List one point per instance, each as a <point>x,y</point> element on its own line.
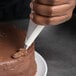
<point>15,60</point>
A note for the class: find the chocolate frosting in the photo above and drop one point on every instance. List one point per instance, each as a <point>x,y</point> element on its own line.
<point>12,39</point>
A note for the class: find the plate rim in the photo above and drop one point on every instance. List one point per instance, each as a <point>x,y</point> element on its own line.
<point>43,60</point>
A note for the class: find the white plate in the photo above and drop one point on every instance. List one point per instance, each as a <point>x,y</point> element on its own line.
<point>41,65</point>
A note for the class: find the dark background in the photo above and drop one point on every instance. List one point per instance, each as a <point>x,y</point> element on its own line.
<point>14,9</point>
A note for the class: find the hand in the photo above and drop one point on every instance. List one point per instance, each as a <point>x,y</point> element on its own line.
<point>51,12</point>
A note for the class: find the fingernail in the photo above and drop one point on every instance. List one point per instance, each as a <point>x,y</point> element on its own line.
<point>31,16</point>
<point>31,5</point>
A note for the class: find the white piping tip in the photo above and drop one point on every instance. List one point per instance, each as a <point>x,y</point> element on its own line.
<point>27,48</point>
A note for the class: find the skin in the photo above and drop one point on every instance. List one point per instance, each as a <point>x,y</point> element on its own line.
<point>51,12</point>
